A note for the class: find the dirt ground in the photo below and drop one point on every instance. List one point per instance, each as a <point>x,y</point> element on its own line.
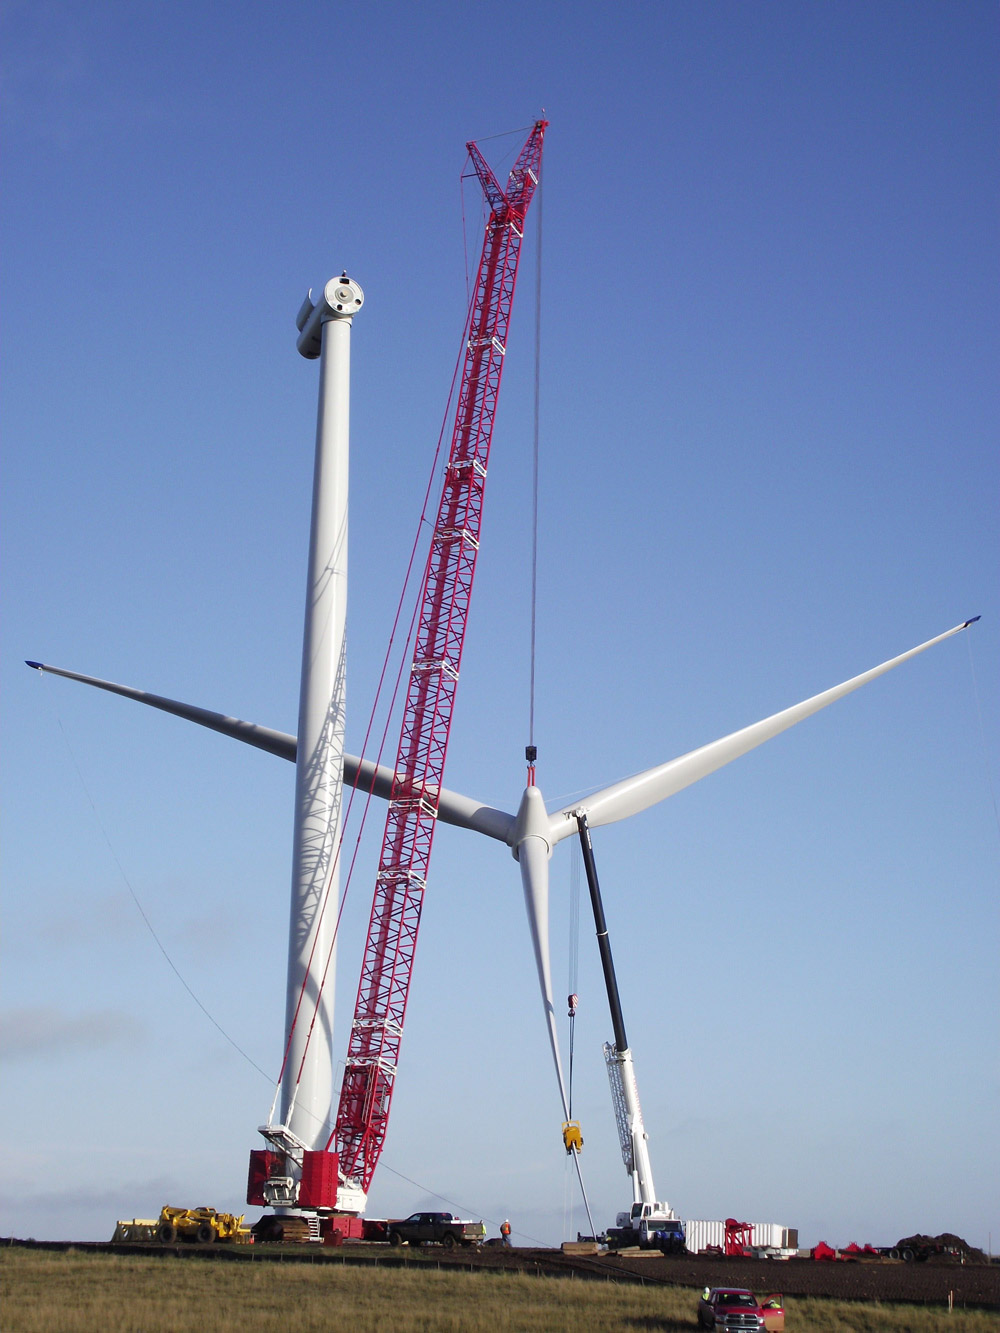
<point>975,1286</point>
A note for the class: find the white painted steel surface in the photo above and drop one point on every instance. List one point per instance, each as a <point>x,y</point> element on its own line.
<point>770,1234</point>
<point>643,1190</point>
<point>307,1084</point>
<point>698,1235</point>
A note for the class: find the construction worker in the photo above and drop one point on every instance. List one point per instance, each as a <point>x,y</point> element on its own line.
<point>505,1234</point>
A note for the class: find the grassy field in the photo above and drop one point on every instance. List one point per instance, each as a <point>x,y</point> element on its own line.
<point>52,1292</point>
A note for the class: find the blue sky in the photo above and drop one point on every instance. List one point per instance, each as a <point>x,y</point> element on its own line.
<point>768,461</point>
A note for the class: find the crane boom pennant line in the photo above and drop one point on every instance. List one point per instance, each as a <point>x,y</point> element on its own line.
<point>635,794</point>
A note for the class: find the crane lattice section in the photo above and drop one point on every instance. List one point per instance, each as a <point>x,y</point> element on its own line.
<point>376,1033</point>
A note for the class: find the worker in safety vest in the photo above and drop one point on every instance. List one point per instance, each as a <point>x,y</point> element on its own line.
<point>505,1233</point>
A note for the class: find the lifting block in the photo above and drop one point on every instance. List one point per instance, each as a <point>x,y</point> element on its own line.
<point>572,1137</point>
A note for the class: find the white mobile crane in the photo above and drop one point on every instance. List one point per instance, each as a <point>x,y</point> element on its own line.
<point>650,1222</point>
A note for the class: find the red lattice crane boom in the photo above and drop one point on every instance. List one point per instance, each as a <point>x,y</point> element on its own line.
<point>444,603</point>
<point>376,1033</point>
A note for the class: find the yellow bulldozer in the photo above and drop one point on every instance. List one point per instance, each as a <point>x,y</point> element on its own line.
<point>203,1226</point>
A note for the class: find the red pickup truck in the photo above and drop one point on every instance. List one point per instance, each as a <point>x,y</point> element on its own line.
<point>735,1307</point>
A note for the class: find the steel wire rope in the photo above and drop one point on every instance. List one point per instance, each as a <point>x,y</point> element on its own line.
<point>149,926</point>
<point>385,731</point>
<point>465,238</point>
<point>471,175</point>
<point>574,1153</point>
<point>534,600</point>
<point>148,923</point>
<point>465,231</point>
<point>573,968</point>
<point>534,463</point>
<point>350,802</point>
<point>444,1199</point>
<point>173,967</point>
<point>143,913</point>
<point>574,958</point>
<point>485,138</point>
<point>389,713</point>
<point>361,827</point>
<point>391,706</point>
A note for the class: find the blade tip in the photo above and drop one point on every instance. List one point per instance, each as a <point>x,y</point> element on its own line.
<point>971,621</point>
<point>36,666</point>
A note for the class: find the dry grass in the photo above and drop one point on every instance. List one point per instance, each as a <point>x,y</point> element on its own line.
<point>51,1292</point>
<point>806,1315</point>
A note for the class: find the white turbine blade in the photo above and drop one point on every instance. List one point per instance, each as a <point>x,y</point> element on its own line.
<point>453,808</point>
<point>274,742</point>
<point>534,863</point>
<point>637,793</point>
<point>532,849</point>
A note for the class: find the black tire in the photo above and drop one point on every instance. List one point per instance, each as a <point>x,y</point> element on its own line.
<point>205,1234</point>
<point>395,1239</point>
<point>166,1233</point>
<point>448,1240</point>
<point>907,1255</point>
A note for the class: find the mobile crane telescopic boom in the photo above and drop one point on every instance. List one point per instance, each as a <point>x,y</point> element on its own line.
<point>621,1070</point>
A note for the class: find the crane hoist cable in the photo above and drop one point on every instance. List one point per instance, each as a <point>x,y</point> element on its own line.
<point>573,953</point>
<point>575,1154</point>
<point>534,466</point>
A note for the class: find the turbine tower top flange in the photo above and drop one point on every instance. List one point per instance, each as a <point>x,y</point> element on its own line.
<point>341,300</point>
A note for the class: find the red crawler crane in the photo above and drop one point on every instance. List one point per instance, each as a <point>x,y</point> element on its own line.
<point>373,1052</point>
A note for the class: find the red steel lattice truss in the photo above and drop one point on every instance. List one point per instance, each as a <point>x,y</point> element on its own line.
<point>377,1031</point>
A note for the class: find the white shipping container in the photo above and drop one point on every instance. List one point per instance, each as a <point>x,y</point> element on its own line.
<point>698,1235</point>
<point>768,1233</point>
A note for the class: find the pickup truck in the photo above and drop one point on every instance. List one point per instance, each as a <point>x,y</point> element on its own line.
<point>735,1307</point>
<point>427,1228</point>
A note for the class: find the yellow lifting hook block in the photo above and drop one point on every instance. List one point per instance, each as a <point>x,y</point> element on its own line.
<point>572,1137</point>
